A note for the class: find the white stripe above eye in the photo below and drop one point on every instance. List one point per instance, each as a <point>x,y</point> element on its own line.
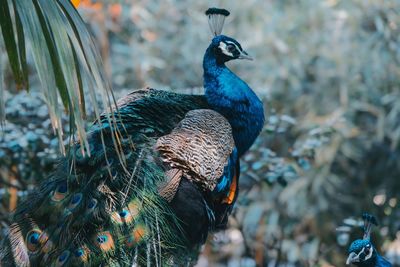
<point>237,48</point>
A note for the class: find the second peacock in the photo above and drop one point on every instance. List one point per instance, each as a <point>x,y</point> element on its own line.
<point>161,175</point>
<point>362,252</point>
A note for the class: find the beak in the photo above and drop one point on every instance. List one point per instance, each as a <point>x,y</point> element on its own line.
<point>244,55</point>
<point>353,257</point>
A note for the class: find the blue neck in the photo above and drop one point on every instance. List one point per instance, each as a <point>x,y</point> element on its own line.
<point>375,261</point>
<point>381,262</point>
<point>232,97</point>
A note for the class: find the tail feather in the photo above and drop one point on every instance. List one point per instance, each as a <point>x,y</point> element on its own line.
<point>14,248</point>
<point>96,211</point>
<point>100,217</point>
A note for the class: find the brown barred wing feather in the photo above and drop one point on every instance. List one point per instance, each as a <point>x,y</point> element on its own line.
<point>199,146</point>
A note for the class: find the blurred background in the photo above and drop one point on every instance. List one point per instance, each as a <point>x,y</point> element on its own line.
<point>328,72</point>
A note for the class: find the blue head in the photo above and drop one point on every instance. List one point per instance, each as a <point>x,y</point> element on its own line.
<point>224,49</point>
<point>362,253</point>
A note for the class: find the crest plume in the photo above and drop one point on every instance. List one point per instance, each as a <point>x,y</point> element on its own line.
<point>216,19</point>
<point>369,220</point>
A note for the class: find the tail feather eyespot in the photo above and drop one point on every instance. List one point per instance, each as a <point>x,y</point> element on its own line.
<point>82,253</point>
<point>63,258</point>
<point>75,201</point>
<point>136,236</point>
<point>60,192</point>
<point>105,241</point>
<point>33,241</point>
<point>126,215</point>
<point>123,216</point>
<point>91,205</point>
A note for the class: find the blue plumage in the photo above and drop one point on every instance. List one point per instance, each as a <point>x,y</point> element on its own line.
<point>231,96</point>
<point>229,171</point>
<point>382,262</point>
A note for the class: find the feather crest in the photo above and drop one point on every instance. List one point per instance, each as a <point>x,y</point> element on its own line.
<point>216,19</point>
<point>369,221</point>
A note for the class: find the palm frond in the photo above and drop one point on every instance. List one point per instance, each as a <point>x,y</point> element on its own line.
<point>63,54</point>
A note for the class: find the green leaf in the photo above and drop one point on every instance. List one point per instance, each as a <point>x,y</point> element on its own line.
<point>80,84</point>
<point>10,42</point>
<point>59,77</point>
<point>22,50</point>
<point>88,56</point>
<point>60,28</point>
<point>42,60</point>
<point>2,92</point>
<point>66,61</point>
<point>64,56</point>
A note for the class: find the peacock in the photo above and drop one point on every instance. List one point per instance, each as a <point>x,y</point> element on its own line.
<point>160,176</point>
<point>362,252</point>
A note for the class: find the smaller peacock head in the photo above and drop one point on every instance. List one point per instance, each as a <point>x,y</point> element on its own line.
<point>223,47</point>
<point>361,251</point>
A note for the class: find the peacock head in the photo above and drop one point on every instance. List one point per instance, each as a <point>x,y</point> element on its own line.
<point>361,252</point>
<point>226,48</point>
<point>222,47</point>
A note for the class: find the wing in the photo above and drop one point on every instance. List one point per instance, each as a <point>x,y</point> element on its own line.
<point>198,154</point>
<point>199,146</point>
<point>150,112</point>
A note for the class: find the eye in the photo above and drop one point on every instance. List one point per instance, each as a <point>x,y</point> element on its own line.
<point>60,193</point>
<point>230,47</point>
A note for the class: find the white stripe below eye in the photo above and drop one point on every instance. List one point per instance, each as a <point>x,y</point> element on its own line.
<point>224,49</point>
<point>369,254</point>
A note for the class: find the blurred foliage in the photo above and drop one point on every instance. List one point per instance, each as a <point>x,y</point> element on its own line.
<point>62,53</point>
<point>329,74</point>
